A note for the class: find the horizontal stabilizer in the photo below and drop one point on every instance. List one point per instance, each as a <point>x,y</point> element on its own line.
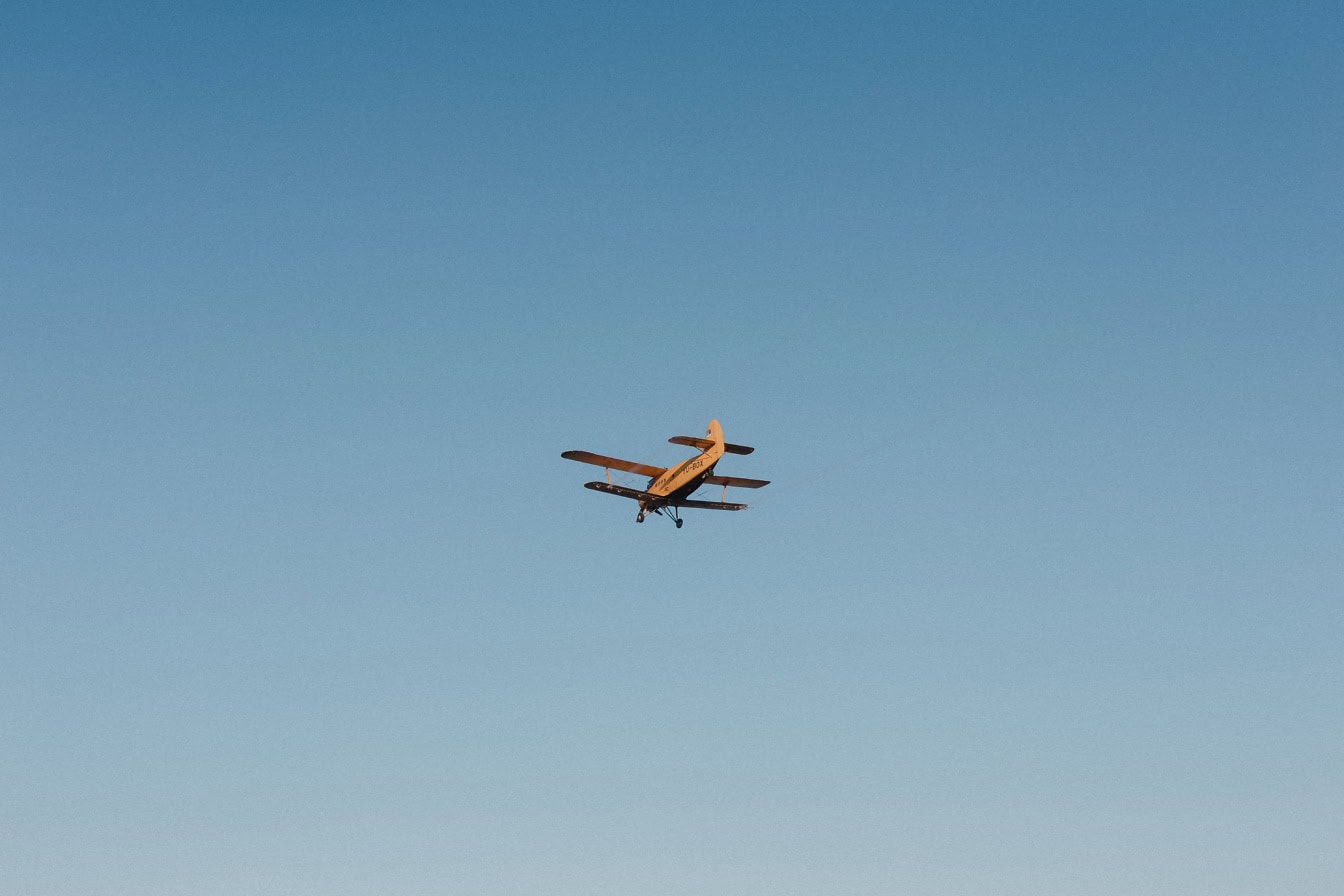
<point>614,463</point>
<point>736,481</point>
<point>703,444</point>
<point>709,505</point>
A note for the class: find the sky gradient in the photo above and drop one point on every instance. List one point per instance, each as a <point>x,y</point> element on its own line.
<point>1033,314</point>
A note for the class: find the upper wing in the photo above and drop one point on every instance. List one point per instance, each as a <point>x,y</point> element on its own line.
<point>736,481</point>
<point>629,466</point>
<point>709,505</point>
<point>702,444</point>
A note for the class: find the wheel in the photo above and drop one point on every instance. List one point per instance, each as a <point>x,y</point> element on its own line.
<point>640,518</point>
<point>678,522</point>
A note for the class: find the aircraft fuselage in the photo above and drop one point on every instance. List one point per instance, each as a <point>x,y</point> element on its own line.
<point>680,481</point>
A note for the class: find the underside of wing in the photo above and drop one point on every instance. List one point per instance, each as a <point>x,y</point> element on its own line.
<point>702,444</point>
<point>618,490</point>
<point>709,505</point>
<point>736,481</point>
<point>614,463</point>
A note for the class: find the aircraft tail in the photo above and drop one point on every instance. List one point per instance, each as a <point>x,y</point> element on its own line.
<point>713,436</point>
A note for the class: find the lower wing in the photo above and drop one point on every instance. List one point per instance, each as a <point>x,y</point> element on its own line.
<point>709,505</point>
<point>638,495</point>
<point>620,490</point>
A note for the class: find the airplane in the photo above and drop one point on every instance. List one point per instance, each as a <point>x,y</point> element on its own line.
<point>670,488</point>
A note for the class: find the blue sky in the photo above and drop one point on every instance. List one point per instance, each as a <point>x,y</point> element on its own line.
<point>1034,315</point>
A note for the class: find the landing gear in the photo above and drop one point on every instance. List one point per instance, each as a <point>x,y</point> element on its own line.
<point>670,512</point>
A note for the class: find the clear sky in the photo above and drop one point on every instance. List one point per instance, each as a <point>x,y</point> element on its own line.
<point>1033,312</point>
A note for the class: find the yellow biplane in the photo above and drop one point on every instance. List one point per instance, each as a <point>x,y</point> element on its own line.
<point>670,488</point>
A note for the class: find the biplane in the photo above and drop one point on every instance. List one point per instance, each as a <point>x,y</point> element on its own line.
<point>670,488</point>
